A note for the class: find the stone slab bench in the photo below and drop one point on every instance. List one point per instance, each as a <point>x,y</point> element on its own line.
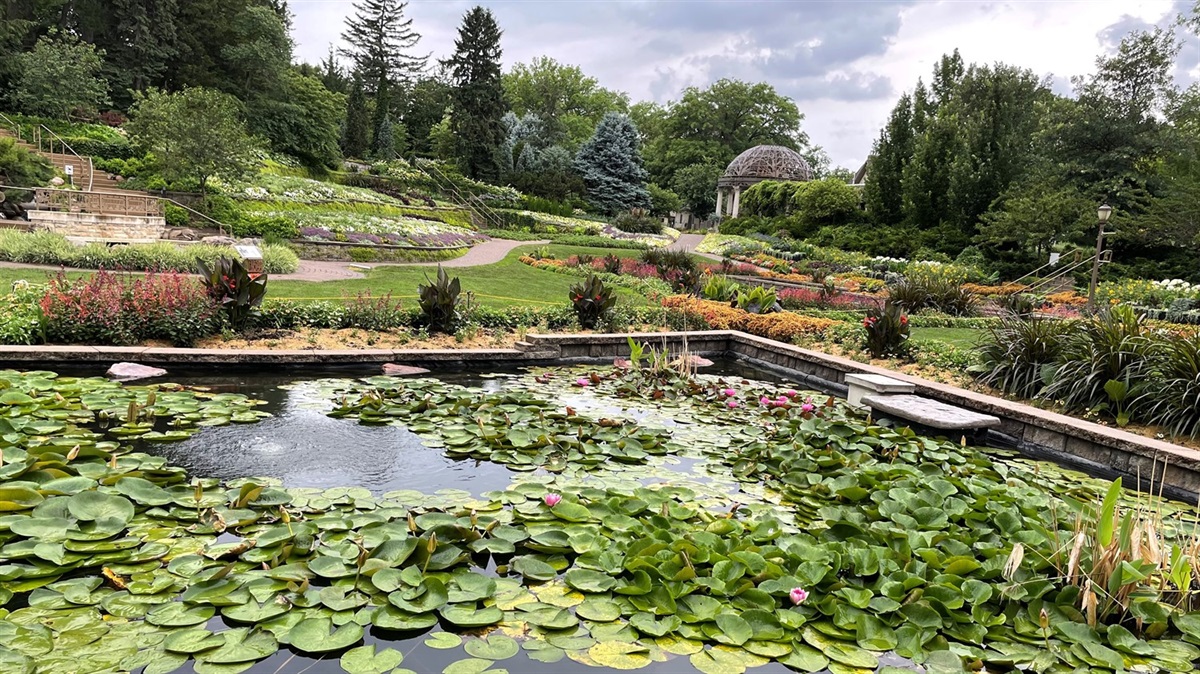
<point>929,412</point>
<point>867,384</point>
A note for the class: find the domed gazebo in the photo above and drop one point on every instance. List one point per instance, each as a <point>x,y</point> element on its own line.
<point>759,163</point>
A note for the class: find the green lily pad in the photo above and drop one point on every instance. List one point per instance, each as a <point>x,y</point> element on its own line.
<point>314,636</point>
<point>179,615</point>
<point>192,641</point>
<point>493,647</point>
<point>242,645</point>
<point>466,615</point>
<point>365,660</point>
<point>443,640</point>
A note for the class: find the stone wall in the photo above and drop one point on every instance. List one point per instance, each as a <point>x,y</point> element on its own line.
<point>100,226</point>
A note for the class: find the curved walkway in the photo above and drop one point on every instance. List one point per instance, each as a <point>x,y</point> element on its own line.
<point>488,252</point>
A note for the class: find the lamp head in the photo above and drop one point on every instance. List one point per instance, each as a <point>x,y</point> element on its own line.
<point>1103,212</point>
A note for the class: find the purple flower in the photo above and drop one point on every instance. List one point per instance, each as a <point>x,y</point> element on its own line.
<point>553,499</point>
<point>316,233</point>
<point>798,595</point>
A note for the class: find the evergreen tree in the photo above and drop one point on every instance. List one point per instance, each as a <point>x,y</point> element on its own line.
<point>441,138</point>
<point>380,41</point>
<point>384,145</point>
<point>610,164</point>
<point>146,43</point>
<point>478,94</point>
<point>883,192</point>
<point>355,137</point>
<point>381,124</point>
<point>332,75</point>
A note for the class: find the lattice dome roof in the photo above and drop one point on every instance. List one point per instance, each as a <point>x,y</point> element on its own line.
<point>765,162</point>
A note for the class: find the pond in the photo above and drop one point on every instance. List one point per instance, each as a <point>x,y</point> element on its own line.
<point>556,520</point>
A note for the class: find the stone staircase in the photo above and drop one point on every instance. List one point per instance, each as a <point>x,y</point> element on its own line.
<point>85,176</point>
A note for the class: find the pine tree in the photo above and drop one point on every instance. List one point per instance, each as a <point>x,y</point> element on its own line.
<point>354,140</point>
<point>611,166</point>
<point>381,125</point>
<point>478,94</point>
<point>331,73</point>
<point>380,40</point>
<point>883,192</point>
<point>384,147</point>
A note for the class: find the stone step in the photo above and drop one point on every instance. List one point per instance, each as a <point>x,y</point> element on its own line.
<point>930,413</point>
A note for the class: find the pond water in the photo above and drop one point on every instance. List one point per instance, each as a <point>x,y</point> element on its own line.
<point>691,510</point>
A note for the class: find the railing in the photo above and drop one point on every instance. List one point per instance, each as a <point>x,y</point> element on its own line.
<point>68,150</point>
<point>474,203</point>
<point>110,203</point>
<point>1079,262</point>
<point>15,127</point>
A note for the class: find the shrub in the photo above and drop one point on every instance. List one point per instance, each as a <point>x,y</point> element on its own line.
<point>887,330</point>
<point>634,223</point>
<point>262,226</point>
<point>234,290</point>
<point>943,294</point>
<point>440,302</point>
<point>374,313</point>
<point>107,308</point>
<point>592,301</point>
<point>783,326</point>
<point>1018,355</point>
<point>363,254</point>
<point>612,264</point>
<point>176,216</point>
<point>1173,401</point>
<point>1111,346</point>
<point>279,259</point>
<point>21,315</point>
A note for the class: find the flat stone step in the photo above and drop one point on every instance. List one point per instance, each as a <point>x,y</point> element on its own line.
<point>867,384</point>
<point>929,412</point>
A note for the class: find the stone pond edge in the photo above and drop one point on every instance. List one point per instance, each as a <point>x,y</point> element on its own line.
<point>1103,450</point>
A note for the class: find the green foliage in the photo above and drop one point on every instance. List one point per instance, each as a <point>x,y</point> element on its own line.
<point>279,228</point>
<point>827,202</point>
<point>380,42</point>
<point>570,103</point>
<point>355,135</point>
<point>478,94</point>
<point>610,164</point>
<point>663,201</point>
<point>194,133</point>
<point>696,185</point>
<point>638,223</point>
<point>175,215</point>
<point>540,205</point>
<point>234,290</point>
<point>1018,354</point>
<point>887,330</point>
<point>22,168</point>
<point>48,248</point>
<point>933,287</point>
<point>304,122</point>
<point>363,254</point>
<point>757,300</point>
<point>1109,347</point>
<point>592,301</point>
<point>60,76</point>
<point>21,320</point>
<point>720,289</point>
<point>440,301</point>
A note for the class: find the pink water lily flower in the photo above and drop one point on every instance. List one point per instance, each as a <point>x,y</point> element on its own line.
<point>582,381</point>
<point>764,401</point>
<point>807,407</point>
<point>729,393</point>
<point>798,595</point>
<point>791,394</point>
<point>553,499</point>
<point>782,400</point>
<point>731,404</point>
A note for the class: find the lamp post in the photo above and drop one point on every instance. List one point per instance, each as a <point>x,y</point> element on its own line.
<point>1102,214</point>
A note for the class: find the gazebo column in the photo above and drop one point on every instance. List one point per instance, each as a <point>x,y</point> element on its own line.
<point>720,201</point>
<point>737,200</point>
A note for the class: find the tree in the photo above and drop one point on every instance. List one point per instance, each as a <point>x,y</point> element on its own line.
<point>381,123</point>
<point>60,76</point>
<point>258,54</point>
<point>147,41</point>
<point>355,136</point>
<point>425,105</point>
<point>379,41</point>
<point>893,150</point>
<point>610,164</point>
<point>383,146</point>
<point>332,75</point>
<point>826,202</point>
<point>478,94</point>
<point>441,138</point>
<point>696,185</point>
<point>1031,219</point>
<point>714,125</point>
<point>570,102</point>
<point>195,133</point>
<point>663,201</point>
<point>304,121</point>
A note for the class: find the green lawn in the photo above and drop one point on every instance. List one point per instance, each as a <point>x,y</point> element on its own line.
<point>961,337</point>
<point>504,283</point>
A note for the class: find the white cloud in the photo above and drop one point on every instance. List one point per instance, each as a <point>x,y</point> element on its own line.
<point>844,62</point>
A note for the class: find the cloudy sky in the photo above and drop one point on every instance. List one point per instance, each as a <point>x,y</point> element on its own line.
<point>844,62</point>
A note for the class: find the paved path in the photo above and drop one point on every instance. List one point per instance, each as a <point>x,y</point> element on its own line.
<point>688,243</point>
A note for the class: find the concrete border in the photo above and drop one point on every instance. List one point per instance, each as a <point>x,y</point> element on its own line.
<point>1097,449</point>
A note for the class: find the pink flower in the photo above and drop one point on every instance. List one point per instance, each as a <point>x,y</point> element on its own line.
<point>791,394</point>
<point>582,381</point>
<point>729,393</point>
<point>731,404</point>
<point>807,407</point>
<point>553,499</point>
<point>764,401</point>
<point>798,595</point>
<point>782,400</point>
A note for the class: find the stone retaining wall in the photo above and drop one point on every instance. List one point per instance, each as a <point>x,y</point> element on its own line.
<point>99,226</point>
<point>1092,447</point>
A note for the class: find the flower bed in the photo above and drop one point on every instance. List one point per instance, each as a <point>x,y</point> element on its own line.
<point>784,326</point>
<point>47,248</point>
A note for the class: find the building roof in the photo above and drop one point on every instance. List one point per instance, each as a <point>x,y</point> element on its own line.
<point>765,162</point>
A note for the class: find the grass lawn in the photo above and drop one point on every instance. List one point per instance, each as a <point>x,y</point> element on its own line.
<point>504,283</point>
<point>961,337</point>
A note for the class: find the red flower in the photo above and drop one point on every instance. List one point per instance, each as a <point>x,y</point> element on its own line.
<point>903,320</point>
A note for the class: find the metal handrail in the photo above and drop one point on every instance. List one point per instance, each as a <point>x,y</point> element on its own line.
<point>473,203</point>
<point>1048,264</point>
<point>16,127</point>
<point>1105,256</point>
<point>220,225</point>
<point>70,150</point>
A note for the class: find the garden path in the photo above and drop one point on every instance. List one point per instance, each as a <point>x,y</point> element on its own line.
<point>688,243</point>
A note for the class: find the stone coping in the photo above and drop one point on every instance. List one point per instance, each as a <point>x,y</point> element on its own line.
<point>1061,436</point>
